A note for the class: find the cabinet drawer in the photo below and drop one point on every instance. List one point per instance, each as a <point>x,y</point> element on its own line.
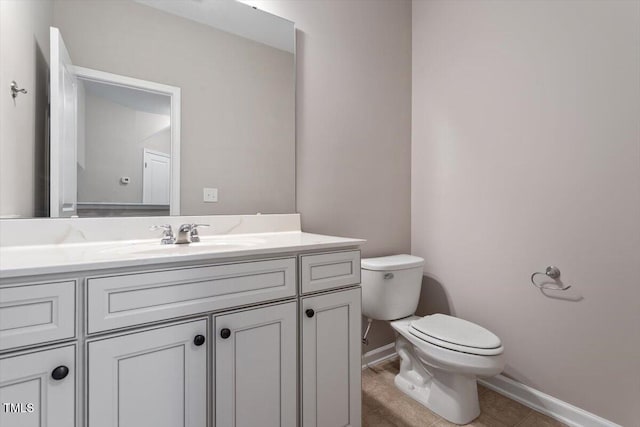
<point>33,314</point>
<point>327,271</point>
<point>130,299</point>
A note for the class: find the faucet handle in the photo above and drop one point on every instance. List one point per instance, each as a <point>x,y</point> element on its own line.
<point>167,235</point>
<point>194,226</point>
<point>193,232</point>
<point>166,227</point>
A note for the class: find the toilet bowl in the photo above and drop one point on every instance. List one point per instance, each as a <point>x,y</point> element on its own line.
<point>440,356</point>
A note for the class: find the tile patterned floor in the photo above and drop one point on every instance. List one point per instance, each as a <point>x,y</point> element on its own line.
<point>383,405</point>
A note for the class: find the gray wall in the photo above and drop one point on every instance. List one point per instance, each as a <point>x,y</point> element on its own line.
<point>353,122</point>
<point>249,157</point>
<point>526,152</point>
<point>115,138</point>
<point>24,49</point>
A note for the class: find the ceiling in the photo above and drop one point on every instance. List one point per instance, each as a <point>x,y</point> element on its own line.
<point>233,17</point>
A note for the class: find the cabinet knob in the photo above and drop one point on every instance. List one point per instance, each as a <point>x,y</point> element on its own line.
<point>198,340</point>
<point>225,333</point>
<point>310,312</point>
<point>59,373</point>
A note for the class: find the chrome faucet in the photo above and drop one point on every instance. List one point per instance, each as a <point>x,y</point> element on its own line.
<point>167,236</point>
<point>188,233</point>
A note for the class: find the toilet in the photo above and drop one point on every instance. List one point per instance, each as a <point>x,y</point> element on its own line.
<point>440,356</point>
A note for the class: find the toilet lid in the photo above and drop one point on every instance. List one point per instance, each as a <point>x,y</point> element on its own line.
<point>456,334</point>
<point>392,262</point>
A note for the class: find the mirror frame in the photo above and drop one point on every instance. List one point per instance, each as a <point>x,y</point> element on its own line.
<point>173,93</point>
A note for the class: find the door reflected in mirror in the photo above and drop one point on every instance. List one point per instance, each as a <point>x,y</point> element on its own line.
<point>124,150</point>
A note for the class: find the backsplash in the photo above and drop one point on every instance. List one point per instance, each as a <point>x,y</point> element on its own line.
<point>45,231</point>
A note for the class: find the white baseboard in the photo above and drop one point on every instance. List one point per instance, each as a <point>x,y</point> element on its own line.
<point>534,399</point>
<point>541,402</point>
<point>379,355</point>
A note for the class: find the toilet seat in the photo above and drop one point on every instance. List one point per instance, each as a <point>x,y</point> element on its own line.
<point>456,334</point>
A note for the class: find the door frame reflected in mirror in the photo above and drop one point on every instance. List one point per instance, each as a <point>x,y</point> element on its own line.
<point>173,92</point>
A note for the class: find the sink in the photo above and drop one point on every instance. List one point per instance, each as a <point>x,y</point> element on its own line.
<point>206,244</point>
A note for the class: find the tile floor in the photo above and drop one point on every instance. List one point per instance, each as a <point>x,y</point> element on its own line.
<point>383,405</point>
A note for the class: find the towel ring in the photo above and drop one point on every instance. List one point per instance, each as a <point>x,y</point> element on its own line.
<point>553,273</point>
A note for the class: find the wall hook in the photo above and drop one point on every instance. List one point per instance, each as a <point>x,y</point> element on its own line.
<point>15,90</point>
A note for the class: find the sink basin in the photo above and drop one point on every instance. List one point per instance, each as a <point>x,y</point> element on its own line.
<point>207,244</point>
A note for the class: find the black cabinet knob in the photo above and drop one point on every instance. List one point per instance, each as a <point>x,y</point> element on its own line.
<point>225,333</point>
<point>59,373</point>
<point>198,340</point>
<point>310,312</point>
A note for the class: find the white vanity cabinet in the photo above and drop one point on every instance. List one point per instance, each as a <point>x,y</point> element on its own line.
<point>37,389</point>
<point>330,359</point>
<point>233,342</point>
<point>255,367</point>
<point>156,378</point>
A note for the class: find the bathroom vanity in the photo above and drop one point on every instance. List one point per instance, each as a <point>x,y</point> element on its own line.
<point>258,323</point>
<point>258,329</point>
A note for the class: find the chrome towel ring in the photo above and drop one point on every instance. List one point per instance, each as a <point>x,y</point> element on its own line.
<point>554,274</point>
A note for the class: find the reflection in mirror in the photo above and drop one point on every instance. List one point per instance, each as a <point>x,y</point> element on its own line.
<point>124,150</point>
<point>154,102</point>
<point>122,135</point>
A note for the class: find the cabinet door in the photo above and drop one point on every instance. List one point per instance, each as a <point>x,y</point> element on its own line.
<point>256,367</point>
<point>30,396</point>
<point>331,365</point>
<point>154,378</point>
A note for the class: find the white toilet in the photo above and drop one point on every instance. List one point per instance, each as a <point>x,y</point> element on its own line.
<point>440,356</point>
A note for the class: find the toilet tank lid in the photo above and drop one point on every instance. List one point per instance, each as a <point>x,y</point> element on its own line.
<point>393,262</point>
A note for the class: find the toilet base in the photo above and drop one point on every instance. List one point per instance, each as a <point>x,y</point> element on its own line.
<point>452,396</point>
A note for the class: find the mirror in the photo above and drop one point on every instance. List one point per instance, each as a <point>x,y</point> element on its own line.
<point>157,107</point>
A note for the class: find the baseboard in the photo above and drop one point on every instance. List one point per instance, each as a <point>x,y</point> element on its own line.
<point>541,402</point>
<point>534,399</point>
<point>378,355</point>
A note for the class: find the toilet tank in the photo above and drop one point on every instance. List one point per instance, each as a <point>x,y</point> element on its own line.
<point>391,286</point>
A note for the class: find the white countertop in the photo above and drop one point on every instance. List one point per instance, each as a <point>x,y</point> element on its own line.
<point>73,257</point>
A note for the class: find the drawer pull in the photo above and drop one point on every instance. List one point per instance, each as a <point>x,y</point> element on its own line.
<point>198,340</point>
<point>60,373</point>
<point>225,333</point>
<point>310,313</point>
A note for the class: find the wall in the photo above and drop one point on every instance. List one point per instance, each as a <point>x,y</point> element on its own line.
<point>24,49</point>
<point>116,136</point>
<point>526,152</point>
<point>353,116</point>
<point>249,157</point>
